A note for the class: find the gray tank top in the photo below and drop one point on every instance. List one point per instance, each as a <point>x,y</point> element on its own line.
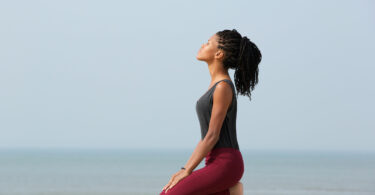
<point>228,135</point>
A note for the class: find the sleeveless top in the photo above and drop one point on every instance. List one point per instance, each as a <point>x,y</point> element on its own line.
<point>228,135</point>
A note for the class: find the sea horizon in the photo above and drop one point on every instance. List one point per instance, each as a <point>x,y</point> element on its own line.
<point>145,171</point>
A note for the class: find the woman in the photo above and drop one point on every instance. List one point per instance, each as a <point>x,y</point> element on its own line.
<point>217,110</point>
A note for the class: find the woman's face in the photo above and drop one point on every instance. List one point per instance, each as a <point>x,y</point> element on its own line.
<point>209,50</point>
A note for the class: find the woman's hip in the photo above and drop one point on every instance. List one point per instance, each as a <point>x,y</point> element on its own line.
<point>226,158</point>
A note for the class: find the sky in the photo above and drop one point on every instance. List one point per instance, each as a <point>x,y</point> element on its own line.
<point>119,74</point>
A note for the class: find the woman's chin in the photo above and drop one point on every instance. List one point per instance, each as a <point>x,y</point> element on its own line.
<point>198,58</point>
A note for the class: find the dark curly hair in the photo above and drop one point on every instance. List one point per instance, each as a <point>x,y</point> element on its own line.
<point>242,55</point>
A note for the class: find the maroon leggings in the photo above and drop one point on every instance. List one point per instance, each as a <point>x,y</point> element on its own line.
<point>224,168</point>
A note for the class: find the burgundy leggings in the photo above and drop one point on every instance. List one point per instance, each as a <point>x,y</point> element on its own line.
<point>224,168</point>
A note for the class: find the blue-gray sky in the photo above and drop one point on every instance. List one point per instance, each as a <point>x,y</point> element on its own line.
<point>117,74</point>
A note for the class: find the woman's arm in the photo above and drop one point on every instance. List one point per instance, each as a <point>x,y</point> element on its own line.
<point>192,156</point>
<point>222,98</point>
<point>201,150</point>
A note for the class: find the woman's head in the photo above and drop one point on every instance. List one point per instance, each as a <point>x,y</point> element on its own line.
<point>210,51</point>
<point>235,52</point>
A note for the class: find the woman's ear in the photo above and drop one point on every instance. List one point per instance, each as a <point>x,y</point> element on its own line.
<point>219,54</point>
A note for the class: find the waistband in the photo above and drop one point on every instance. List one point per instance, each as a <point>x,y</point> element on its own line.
<point>222,150</point>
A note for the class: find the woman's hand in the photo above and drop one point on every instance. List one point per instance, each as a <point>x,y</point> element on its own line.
<point>176,178</point>
<point>171,180</point>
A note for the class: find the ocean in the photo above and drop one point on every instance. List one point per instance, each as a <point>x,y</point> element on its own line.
<point>146,171</point>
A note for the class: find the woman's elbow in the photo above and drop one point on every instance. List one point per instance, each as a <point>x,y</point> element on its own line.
<point>211,139</point>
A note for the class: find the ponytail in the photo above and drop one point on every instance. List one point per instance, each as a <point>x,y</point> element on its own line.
<point>242,55</point>
<point>247,71</point>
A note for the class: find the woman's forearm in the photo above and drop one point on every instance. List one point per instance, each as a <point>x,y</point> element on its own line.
<point>201,150</point>
<point>194,154</point>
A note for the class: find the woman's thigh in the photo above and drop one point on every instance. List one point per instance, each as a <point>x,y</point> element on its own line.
<point>215,178</point>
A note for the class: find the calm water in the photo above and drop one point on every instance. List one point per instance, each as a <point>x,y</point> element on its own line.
<point>145,172</point>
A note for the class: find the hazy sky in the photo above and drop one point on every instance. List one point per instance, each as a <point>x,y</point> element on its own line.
<point>112,74</point>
